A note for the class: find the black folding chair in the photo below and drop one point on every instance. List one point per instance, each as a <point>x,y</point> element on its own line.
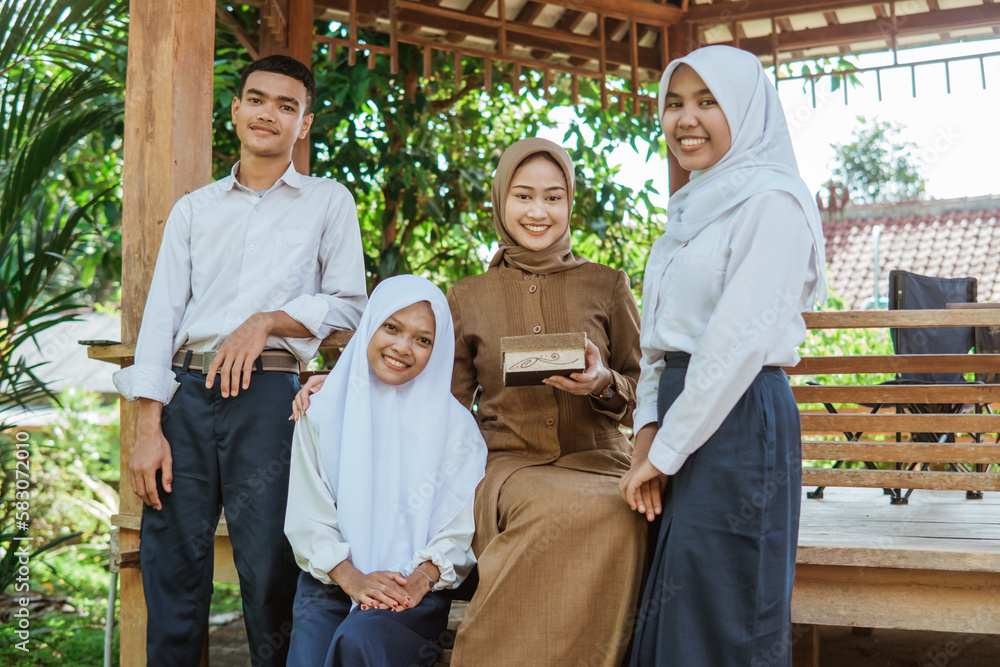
<point>911,291</point>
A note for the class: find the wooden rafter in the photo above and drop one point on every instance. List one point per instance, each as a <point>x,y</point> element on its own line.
<point>569,20</point>
<point>521,34</point>
<point>724,12</point>
<point>863,31</point>
<point>273,16</point>
<point>529,12</point>
<point>477,8</point>
<point>626,10</point>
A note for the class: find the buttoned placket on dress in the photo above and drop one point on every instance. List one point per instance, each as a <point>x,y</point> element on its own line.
<point>537,324</point>
<point>534,309</point>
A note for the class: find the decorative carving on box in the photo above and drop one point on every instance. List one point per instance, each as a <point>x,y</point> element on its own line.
<point>527,360</point>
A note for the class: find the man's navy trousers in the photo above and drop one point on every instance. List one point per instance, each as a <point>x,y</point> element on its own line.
<point>233,453</point>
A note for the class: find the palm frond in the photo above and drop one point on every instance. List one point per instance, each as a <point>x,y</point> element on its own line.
<point>60,116</point>
<point>55,90</point>
<point>61,31</point>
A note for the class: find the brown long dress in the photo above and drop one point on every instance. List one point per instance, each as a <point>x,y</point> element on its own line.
<point>560,554</point>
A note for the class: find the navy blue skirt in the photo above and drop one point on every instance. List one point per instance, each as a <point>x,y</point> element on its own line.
<point>327,631</point>
<point>720,588</point>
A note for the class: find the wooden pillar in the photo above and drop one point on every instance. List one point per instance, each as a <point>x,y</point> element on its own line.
<point>298,17</point>
<point>682,40</point>
<point>167,153</point>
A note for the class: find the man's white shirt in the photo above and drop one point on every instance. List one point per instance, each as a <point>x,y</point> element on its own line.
<point>228,253</point>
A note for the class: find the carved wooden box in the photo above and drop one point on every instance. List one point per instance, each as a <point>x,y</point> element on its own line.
<point>527,360</point>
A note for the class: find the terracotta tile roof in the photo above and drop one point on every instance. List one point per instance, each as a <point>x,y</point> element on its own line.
<point>944,238</point>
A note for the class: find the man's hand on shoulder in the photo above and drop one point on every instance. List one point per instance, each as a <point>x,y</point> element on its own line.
<point>237,355</point>
<point>151,453</point>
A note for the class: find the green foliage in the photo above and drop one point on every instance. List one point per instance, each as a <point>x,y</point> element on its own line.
<point>418,154</point>
<point>72,495</point>
<point>58,89</point>
<point>840,71</point>
<point>73,468</point>
<point>876,166</point>
<point>76,469</point>
<point>67,627</point>
<point>840,342</point>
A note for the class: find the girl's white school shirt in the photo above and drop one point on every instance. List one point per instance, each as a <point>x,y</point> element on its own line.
<point>319,546</point>
<point>732,298</point>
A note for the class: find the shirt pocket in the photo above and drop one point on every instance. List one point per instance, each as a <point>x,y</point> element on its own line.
<point>294,258</point>
<point>693,284</point>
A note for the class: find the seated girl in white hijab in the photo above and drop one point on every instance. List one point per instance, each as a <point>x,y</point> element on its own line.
<point>383,473</point>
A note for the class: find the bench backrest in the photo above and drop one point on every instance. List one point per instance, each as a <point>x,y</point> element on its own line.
<point>884,436</point>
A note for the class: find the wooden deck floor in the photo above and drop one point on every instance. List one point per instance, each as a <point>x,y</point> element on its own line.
<point>933,564</point>
<point>856,526</point>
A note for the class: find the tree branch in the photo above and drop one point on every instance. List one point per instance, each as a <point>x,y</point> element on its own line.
<point>408,231</point>
<point>475,81</point>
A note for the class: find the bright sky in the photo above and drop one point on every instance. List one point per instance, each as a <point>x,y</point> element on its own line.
<point>957,135</point>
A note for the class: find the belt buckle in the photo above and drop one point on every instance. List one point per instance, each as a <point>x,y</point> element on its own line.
<point>206,360</point>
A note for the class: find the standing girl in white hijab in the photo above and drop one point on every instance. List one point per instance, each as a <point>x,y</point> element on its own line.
<point>717,427</point>
<point>383,472</point>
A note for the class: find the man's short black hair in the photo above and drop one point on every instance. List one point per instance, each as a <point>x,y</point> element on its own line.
<point>283,65</point>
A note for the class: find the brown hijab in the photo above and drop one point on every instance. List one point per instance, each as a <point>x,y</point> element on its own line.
<point>558,256</point>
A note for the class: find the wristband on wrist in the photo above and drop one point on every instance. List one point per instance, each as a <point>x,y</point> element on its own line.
<point>431,581</point>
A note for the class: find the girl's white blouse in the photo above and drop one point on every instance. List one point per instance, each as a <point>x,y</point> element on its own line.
<point>319,546</point>
<point>732,298</point>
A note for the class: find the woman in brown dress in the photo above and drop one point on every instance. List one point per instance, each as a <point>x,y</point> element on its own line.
<point>560,556</point>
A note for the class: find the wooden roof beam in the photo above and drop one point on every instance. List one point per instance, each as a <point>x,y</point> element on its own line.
<point>529,12</point>
<point>626,10</point>
<point>477,8</point>
<point>618,53</point>
<point>726,12</point>
<point>518,34</point>
<point>569,20</point>
<point>864,31</point>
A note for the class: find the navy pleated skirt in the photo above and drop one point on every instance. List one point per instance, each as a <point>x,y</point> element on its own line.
<point>720,588</point>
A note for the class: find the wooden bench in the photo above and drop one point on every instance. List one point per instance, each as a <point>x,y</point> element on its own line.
<point>930,564</point>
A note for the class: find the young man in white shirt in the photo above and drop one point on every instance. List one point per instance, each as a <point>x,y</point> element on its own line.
<point>254,270</point>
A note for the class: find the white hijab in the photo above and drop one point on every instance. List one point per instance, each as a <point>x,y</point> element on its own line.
<point>760,158</point>
<point>403,460</point>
